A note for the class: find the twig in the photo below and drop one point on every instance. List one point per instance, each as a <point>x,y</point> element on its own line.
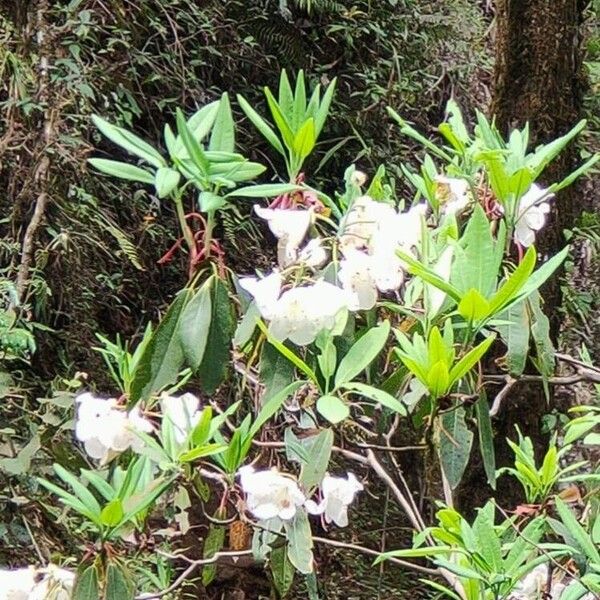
<point>363,550</point>
<point>510,382</point>
<point>188,572</point>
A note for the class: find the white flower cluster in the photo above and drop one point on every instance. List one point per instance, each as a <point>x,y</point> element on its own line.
<point>533,586</point>
<point>50,583</point>
<point>453,194</point>
<point>271,494</point>
<point>300,313</point>
<point>106,430</point>
<point>371,234</point>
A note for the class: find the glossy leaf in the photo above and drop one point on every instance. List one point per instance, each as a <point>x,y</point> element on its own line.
<point>195,325</point>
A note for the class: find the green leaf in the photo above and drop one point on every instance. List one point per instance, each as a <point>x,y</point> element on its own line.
<point>579,534</point>
<point>86,585</point>
<point>429,276</point>
<point>276,371</point>
<point>195,325</point>
<point>299,101</point>
<point>112,513</point>
<point>192,145</point>
<point>473,306</point>
<point>163,357</point>
<point>296,360</point>
<point>107,491</point>
<point>438,380</point>
<point>280,120</point>
<point>540,331</point>
<point>165,181</point>
<point>362,353</point>
<point>486,438</point>
<point>119,585</point>
<point>333,409</point>
<point>323,111</point>
<point>222,137</point>
<point>213,543</point>
<point>273,405</point>
<point>80,490</point>
<point>455,441</point>
<point>213,369</point>
<point>138,503</point>
<point>511,288</point>
<point>318,448</point>
<point>202,452</point>
<point>470,359</point>
<point>261,125</point>
<point>121,170</point>
<point>516,337</point>
<point>286,96</point>
<point>266,190</point>
<point>300,542</point>
<point>377,395</point>
<point>282,570</point>
<point>304,141</point>
<point>128,141</point>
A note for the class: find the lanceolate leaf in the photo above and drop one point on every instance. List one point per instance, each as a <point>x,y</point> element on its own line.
<point>282,570</point>
<point>455,441</point>
<point>516,336</point>
<point>214,365</point>
<point>213,543</point>
<point>362,353</point>
<point>222,137</point>
<point>486,438</point>
<point>122,170</point>
<point>195,325</point>
<point>163,356</point>
<point>318,448</point>
<point>300,542</point>
<point>540,331</point>
<point>276,371</point>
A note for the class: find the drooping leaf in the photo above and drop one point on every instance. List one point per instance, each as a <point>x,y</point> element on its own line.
<point>119,585</point>
<point>163,357</point>
<point>455,441</point>
<point>266,190</point>
<point>318,449</point>
<point>516,336</point>
<point>377,395</point>
<point>214,542</point>
<point>195,325</point>
<point>486,438</point>
<point>276,371</point>
<point>300,542</point>
<point>540,331</point>
<point>86,584</point>
<point>362,353</point>
<point>213,369</point>
<point>282,570</point>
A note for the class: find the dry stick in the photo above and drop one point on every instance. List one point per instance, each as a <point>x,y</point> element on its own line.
<point>41,172</point>
<point>188,572</point>
<point>363,550</point>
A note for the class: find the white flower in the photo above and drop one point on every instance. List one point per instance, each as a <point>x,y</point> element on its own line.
<point>289,227</point>
<point>313,254</point>
<point>362,221</point>
<point>303,312</point>
<point>270,494</point>
<point>265,291</point>
<point>183,412</point>
<point>16,584</point>
<point>531,214</point>
<point>358,280</point>
<point>452,193</point>
<point>104,429</point>
<point>95,425</point>
<point>338,494</point>
<point>410,226</point>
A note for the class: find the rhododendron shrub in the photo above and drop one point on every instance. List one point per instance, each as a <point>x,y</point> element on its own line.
<point>376,310</point>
